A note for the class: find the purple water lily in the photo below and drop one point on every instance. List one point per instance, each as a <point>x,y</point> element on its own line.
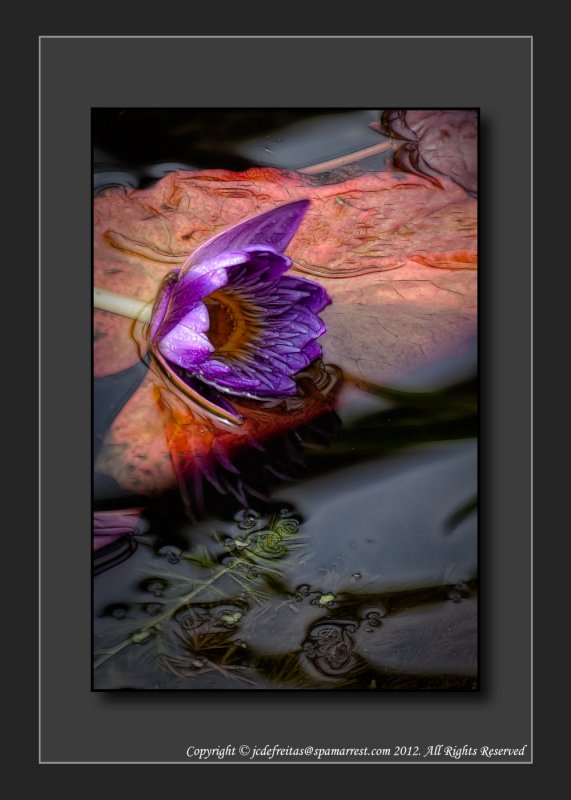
<point>231,321</point>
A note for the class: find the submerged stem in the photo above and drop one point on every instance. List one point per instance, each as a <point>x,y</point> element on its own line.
<point>182,601</point>
<point>129,307</point>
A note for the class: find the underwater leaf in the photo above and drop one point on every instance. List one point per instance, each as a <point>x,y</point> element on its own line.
<point>436,144</point>
<point>357,231</point>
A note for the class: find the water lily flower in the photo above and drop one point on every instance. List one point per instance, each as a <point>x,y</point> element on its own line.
<point>231,321</point>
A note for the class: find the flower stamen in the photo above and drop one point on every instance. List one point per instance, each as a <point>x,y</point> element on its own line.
<point>233,323</point>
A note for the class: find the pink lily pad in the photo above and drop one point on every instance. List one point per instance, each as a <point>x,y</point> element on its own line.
<point>399,236</point>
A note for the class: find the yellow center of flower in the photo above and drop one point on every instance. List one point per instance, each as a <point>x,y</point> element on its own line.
<point>234,322</point>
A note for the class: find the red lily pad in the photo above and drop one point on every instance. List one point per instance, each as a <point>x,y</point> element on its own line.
<point>371,230</point>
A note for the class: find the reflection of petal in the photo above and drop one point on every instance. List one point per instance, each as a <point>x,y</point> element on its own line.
<point>111,525</point>
<point>112,536</point>
<point>211,463</point>
<point>163,441</point>
<point>205,396</point>
<point>186,344</point>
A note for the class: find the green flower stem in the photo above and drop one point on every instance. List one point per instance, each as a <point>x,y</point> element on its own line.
<point>124,306</point>
<point>157,620</point>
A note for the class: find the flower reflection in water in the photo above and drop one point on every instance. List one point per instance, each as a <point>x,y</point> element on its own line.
<point>243,463</point>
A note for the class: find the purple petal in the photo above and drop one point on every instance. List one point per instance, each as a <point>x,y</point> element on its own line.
<point>109,526</point>
<point>263,266</point>
<point>312,351</point>
<point>225,260</point>
<point>291,358</point>
<point>315,296</point>
<point>161,303</point>
<point>274,229</point>
<point>194,285</point>
<point>186,344</point>
<point>259,380</point>
<point>225,377</point>
<point>247,264</point>
<point>298,326</point>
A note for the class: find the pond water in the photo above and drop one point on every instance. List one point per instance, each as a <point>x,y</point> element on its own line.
<point>336,548</point>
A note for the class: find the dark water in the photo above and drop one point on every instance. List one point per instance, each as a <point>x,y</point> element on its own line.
<point>345,555</point>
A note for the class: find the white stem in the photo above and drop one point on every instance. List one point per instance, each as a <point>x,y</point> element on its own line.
<point>349,158</point>
<point>125,306</point>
